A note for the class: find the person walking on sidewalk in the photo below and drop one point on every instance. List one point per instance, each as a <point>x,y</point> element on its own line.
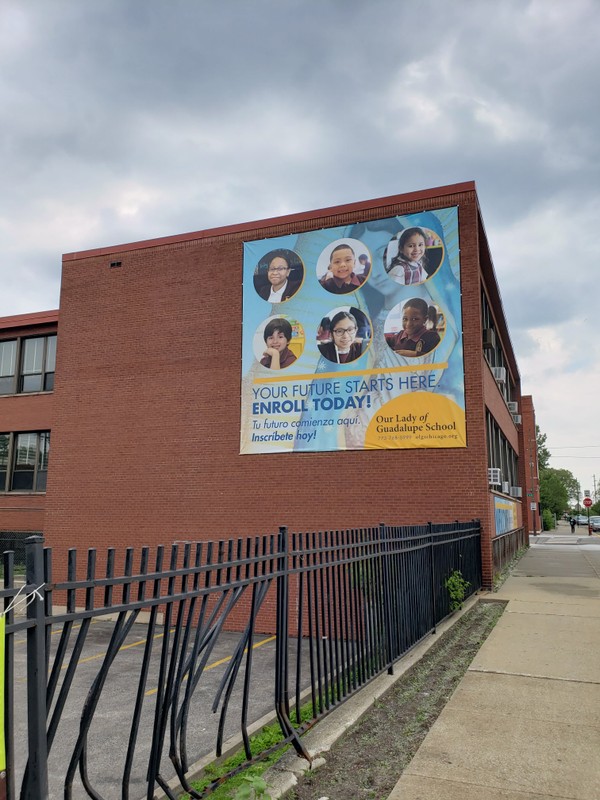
<point>572,524</point>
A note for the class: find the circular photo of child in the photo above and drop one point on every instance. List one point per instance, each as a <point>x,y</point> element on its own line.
<point>344,335</point>
<point>414,328</point>
<point>343,266</point>
<point>278,275</point>
<point>413,256</point>
<point>278,342</point>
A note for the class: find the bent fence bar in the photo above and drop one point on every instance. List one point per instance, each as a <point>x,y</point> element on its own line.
<point>341,607</point>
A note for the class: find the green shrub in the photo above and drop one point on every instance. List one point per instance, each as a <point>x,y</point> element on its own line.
<point>547,520</point>
<point>457,589</point>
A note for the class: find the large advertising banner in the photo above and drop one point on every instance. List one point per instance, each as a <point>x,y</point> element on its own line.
<point>352,338</point>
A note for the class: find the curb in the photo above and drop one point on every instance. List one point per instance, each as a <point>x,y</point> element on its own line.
<point>284,775</point>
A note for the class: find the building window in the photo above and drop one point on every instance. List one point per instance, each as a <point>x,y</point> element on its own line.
<point>500,452</point>
<point>24,461</point>
<point>493,350</point>
<point>4,453</point>
<point>36,358</point>
<point>38,364</point>
<point>8,361</point>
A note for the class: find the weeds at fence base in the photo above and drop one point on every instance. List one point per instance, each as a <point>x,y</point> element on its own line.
<point>254,788</point>
<point>370,757</point>
<point>367,752</point>
<point>269,738</point>
<point>457,588</point>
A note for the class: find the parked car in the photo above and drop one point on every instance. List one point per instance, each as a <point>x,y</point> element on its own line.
<point>595,523</point>
<point>581,519</point>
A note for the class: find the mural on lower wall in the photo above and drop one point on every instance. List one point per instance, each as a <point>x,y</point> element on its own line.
<point>505,514</point>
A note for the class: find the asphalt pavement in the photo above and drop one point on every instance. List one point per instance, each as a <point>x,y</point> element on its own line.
<point>109,733</point>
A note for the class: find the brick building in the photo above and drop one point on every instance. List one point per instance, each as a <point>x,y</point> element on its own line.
<point>27,365</point>
<point>155,352</point>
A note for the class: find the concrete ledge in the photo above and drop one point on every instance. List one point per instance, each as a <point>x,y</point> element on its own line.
<point>283,776</point>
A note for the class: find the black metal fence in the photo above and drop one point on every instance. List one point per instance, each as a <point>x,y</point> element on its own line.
<point>300,621</point>
<point>15,541</point>
<point>506,547</point>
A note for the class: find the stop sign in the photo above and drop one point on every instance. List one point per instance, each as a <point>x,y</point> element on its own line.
<point>587,502</point>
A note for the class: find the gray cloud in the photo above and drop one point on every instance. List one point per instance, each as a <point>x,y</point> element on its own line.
<point>130,120</point>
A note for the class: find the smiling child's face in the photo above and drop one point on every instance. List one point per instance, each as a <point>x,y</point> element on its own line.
<point>412,320</point>
<point>278,272</point>
<point>342,263</point>
<point>413,248</point>
<point>277,341</point>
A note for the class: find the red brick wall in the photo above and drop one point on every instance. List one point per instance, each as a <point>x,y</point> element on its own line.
<point>19,512</point>
<point>145,442</point>
<point>497,407</point>
<point>529,466</point>
<point>24,412</point>
<point>22,511</point>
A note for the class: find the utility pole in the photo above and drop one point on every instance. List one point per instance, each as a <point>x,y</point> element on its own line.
<point>533,504</point>
<point>534,467</point>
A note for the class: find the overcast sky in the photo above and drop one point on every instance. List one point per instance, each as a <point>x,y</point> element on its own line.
<point>124,120</point>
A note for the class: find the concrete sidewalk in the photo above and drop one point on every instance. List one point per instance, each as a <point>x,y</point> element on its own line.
<point>524,722</point>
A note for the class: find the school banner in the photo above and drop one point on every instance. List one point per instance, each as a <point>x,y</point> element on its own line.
<point>352,338</point>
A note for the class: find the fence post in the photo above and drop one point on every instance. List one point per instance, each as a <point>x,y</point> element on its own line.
<point>477,522</point>
<point>37,766</point>
<point>384,553</point>
<point>282,701</point>
<point>433,578</point>
<point>282,641</point>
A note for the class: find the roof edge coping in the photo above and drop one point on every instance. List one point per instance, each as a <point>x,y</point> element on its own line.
<point>424,194</point>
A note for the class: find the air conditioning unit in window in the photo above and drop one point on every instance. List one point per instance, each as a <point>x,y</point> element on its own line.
<point>516,491</point>
<point>516,419</point>
<point>494,476</point>
<point>499,374</point>
<point>489,338</point>
<point>513,407</point>
<point>505,487</point>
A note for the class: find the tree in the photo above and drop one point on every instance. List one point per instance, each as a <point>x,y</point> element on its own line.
<point>542,450</point>
<point>570,482</point>
<point>557,486</point>
<point>554,495</point>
